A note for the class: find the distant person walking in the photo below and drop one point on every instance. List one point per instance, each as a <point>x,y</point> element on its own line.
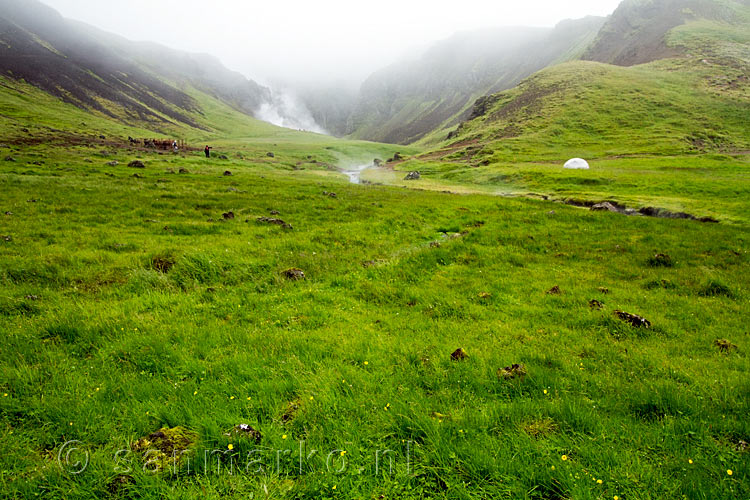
<point>174,146</point>
<point>208,151</point>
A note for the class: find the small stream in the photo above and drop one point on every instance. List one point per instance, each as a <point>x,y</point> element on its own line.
<point>355,173</point>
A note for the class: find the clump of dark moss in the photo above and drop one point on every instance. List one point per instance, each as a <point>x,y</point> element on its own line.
<point>513,371</point>
<point>166,448</point>
<point>724,345</point>
<point>663,284</point>
<point>459,355</point>
<point>661,260</point>
<point>716,289</point>
<point>540,428</point>
<point>163,262</point>
<point>291,411</point>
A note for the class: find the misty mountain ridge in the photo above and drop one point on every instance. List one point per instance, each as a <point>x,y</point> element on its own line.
<point>128,81</point>
<point>416,100</point>
<point>405,102</point>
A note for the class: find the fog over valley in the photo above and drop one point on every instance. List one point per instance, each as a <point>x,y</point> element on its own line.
<point>314,55</point>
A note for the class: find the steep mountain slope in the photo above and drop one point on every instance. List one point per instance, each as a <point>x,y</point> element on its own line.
<point>137,84</point>
<point>700,100</point>
<point>405,102</point>
<point>636,31</point>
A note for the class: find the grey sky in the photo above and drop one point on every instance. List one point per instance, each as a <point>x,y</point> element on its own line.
<point>314,40</point>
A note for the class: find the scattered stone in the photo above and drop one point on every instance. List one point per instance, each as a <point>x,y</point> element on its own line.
<point>604,206</point>
<point>377,162</point>
<point>661,260</point>
<point>138,176</point>
<point>396,157</point>
<point>113,163</point>
<point>274,212</point>
<point>369,263</point>
<point>291,411</point>
<point>595,304</point>
<point>136,164</point>
<point>484,295</point>
<point>551,212</point>
<point>555,290</point>
<point>223,157</point>
<point>633,319</point>
<point>604,290</point>
<point>270,155</point>
<point>7,238</point>
<point>102,137</point>
<point>742,446</point>
<point>724,345</point>
<point>170,171</point>
<point>9,158</point>
<point>32,200</point>
<point>330,195</point>
<point>459,355</point>
<point>412,176</point>
<point>8,213</point>
<point>294,274</point>
<point>32,297</point>
<point>245,430</point>
<point>227,173</point>
<point>228,215</point>
<point>513,371</point>
<point>277,222</point>
<point>88,160</point>
<point>233,190</point>
<point>184,171</point>
<point>434,244</point>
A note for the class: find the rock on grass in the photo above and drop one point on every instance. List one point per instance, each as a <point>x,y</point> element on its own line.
<point>633,319</point>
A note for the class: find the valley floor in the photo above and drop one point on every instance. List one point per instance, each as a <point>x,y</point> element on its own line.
<point>149,312</point>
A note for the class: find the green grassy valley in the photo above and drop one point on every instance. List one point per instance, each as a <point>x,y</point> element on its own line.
<point>254,325</point>
<point>131,305</point>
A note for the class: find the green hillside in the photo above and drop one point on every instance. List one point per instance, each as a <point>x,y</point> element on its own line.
<point>673,132</point>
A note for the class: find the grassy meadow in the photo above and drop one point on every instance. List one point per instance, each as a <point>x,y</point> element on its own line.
<point>140,322</point>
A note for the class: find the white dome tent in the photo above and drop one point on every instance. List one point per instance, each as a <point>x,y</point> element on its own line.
<point>577,164</point>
